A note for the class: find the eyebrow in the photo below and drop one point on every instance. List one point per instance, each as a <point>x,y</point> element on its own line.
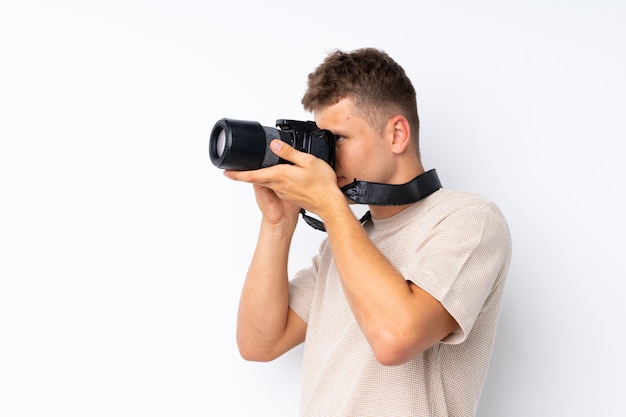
<point>337,132</point>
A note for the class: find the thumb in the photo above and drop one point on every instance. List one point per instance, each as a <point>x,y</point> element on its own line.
<point>284,150</point>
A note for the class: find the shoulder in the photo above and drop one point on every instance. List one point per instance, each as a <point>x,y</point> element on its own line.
<point>447,203</point>
<point>452,217</point>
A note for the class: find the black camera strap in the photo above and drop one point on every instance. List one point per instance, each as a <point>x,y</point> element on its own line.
<point>378,194</point>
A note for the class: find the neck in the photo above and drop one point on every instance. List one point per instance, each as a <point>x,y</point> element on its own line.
<point>384,212</point>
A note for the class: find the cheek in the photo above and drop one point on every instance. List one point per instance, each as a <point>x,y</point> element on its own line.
<point>343,156</point>
<point>349,160</point>
<point>363,164</point>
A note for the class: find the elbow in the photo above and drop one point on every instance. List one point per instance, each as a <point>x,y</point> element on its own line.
<point>391,356</point>
<point>394,350</point>
<point>399,344</point>
<point>245,352</point>
<point>253,355</point>
<point>248,354</point>
<point>249,351</point>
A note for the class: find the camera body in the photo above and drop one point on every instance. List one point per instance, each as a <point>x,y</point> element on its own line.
<point>244,145</point>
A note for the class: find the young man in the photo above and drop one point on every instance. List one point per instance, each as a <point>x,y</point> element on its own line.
<point>398,314</point>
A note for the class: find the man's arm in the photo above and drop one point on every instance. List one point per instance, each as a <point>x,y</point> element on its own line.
<point>398,318</point>
<point>266,326</point>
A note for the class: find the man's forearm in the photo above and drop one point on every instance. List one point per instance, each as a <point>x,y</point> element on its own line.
<point>264,303</point>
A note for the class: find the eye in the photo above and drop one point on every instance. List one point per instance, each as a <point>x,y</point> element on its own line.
<point>339,138</point>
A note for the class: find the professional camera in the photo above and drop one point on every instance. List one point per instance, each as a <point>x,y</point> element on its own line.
<point>244,145</point>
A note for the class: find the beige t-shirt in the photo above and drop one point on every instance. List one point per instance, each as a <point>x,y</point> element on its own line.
<point>456,246</point>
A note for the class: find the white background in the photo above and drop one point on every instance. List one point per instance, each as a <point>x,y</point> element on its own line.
<point>123,250</point>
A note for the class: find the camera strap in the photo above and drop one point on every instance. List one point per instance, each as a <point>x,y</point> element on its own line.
<point>379,194</point>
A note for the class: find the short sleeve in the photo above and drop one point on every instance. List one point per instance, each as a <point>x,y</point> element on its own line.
<point>303,285</point>
<point>461,262</point>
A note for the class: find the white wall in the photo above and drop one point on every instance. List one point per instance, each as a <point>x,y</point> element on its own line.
<point>123,250</point>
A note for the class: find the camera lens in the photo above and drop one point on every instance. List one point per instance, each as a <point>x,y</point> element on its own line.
<point>220,145</point>
<point>240,145</point>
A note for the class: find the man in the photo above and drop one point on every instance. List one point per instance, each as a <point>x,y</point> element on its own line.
<point>398,314</point>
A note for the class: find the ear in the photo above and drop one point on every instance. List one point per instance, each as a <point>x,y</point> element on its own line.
<point>401,134</point>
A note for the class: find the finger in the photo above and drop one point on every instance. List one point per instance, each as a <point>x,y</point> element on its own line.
<point>261,176</point>
<point>244,176</point>
<point>287,152</point>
